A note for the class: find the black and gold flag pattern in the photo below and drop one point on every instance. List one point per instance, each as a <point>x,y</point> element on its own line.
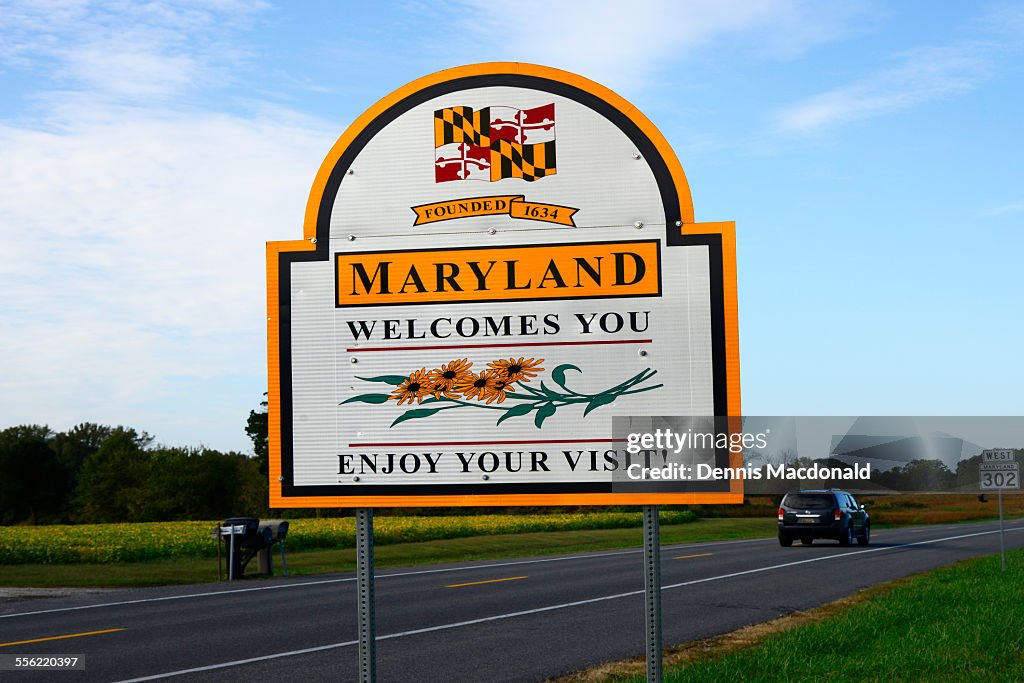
<point>528,162</point>
<point>462,124</point>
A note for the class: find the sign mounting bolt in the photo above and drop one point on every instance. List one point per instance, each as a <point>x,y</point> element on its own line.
<point>485,477</point>
<point>679,224</point>
<point>356,478</point>
<point>313,240</point>
<point>351,172</point>
<point>280,478</point>
<point>353,359</point>
<point>636,155</point>
<point>642,352</point>
<point>492,231</point>
<point>351,238</point>
<point>638,225</point>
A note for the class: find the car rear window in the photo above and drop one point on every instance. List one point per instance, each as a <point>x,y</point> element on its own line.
<point>809,501</point>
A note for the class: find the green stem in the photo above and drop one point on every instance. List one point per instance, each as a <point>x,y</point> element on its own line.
<point>458,403</point>
<point>641,376</point>
<point>535,392</point>
<point>640,391</point>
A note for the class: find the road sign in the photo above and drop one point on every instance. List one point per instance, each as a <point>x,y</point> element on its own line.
<point>999,475</point>
<point>460,330</point>
<point>998,455</point>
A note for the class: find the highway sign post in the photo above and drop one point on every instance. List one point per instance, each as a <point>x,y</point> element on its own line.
<point>999,471</point>
<point>652,591</point>
<point>365,596</point>
<point>496,260</point>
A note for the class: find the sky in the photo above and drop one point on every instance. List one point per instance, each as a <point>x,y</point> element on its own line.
<point>869,152</point>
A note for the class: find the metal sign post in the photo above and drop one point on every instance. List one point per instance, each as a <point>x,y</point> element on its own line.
<point>652,591</point>
<point>364,590</point>
<point>1002,543</point>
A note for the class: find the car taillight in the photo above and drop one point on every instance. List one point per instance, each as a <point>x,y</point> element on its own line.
<point>781,514</point>
<point>839,515</point>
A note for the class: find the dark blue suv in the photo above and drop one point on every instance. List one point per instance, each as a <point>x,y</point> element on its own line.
<point>835,514</point>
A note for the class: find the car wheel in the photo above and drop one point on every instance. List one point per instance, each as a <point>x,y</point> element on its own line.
<point>865,537</point>
<point>807,541</point>
<point>785,541</point>
<point>847,537</point>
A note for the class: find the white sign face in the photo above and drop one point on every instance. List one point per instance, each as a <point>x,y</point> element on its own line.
<point>1004,475</point>
<point>998,455</point>
<point>498,261</point>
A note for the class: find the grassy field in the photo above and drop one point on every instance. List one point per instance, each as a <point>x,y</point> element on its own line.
<point>959,623</point>
<point>197,570</point>
<point>117,543</point>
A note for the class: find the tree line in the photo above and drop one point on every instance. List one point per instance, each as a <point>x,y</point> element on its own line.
<point>98,473</point>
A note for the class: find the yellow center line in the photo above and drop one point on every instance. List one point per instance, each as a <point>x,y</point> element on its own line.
<point>477,583</point>
<point>687,557</point>
<point>70,635</point>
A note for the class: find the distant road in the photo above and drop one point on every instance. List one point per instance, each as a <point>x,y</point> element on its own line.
<point>504,620</point>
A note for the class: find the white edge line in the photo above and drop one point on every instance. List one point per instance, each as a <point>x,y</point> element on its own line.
<point>548,608</point>
<point>560,558</point>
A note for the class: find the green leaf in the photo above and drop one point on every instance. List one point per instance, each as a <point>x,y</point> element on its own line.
<point>548,392</point>
<point>558,374</point>
<point>390,379</point>
<point>367,398</point>
<point>598,401</point>
<point>515,411</point>
<point>543,413</point>
<point>415,414</point>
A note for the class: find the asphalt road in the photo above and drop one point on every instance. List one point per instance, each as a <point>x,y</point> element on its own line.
<point>505,620</point>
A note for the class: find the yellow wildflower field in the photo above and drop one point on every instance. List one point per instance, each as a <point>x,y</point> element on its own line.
<point>135,542</point>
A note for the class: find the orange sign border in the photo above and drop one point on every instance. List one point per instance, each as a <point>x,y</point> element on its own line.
<point>725,230</point>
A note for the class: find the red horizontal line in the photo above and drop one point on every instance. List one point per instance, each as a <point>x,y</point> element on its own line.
<point>493,346</point>
<point>477,443</point>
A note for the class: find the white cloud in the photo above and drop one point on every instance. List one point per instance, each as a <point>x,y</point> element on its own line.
<point>134,221</point>
<point>123,49</point>
<point>135,254</point>
<point>919,75</point>
<point>922,75</point>
<point>624,44</point>
<point>1007,209</point>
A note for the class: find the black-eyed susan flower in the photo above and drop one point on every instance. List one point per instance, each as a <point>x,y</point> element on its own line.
<point>498,391</point>
<point>513,370</point>
<point>478,386</point>
<point>414,388</point>
<point>443,380</point>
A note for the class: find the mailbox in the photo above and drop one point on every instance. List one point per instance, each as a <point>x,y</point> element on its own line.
<point>247,537</point>
<point>273,531</point>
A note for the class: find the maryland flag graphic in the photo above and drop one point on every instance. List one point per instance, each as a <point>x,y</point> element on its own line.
<point>494,143</point>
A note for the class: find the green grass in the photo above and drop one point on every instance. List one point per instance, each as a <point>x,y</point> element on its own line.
<point>195,570</point>
<point>140,542</point>
<point>960,623</point>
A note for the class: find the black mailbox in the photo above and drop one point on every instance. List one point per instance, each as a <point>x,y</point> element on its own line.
<point>246,537</point>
